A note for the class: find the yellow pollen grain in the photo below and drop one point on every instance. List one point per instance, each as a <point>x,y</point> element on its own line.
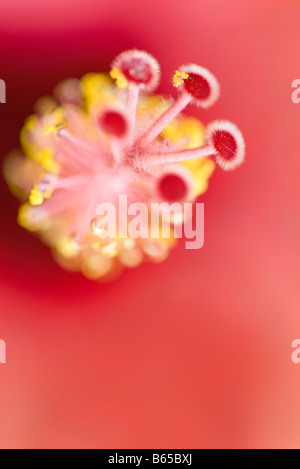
<point>179,78</point>
<point>202,174</point>
<point>53,128</point>
<point>117,75</point>
<point>47,160</point>
<point>50,129</point>
<point>54,121</point>
<point>24,217</point>
<point>36,197</point>
<point>97,88</point>
<point>111,249</point>
<point>96,266</point>
<point>188,131</point>
<point>68,248</point>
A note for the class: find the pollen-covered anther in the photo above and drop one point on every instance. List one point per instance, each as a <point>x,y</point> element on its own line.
<point>68,247</point>
<point>47,185</point>
<point>199,83</point>
<point>139,68</point>
<point>175,184</point>
<point>36,197</point>
<point>98,227</point>
<point>179,78</point>
<point>55,129</point>
<point>119,78</point>
<point>228,144</point>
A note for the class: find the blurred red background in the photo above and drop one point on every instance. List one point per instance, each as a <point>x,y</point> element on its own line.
<point>195,352</point>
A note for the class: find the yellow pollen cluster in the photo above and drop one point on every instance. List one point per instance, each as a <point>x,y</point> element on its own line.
<point>36,197</point>
<point>179,78</point>
<point>47,160</point>
<point>117,75</point>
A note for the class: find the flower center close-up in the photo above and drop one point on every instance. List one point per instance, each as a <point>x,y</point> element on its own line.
<point>107,136</point>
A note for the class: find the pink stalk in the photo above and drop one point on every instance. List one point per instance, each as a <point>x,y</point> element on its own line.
<point>87,209</point>
<point>84,213</point>
<point>156,159</point>
<point>77,142</point>
<point>71,182</point>
<point>164,120</point>
<point>57,203</point>
<point>116,149</point>
<point>83,219</point>
<point>132,101</point>
<point>82,152</point>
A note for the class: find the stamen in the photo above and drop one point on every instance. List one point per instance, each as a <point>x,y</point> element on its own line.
<point>36,197</point>
<point>43,190</point>
<point>86,210</point>
<point>96,227</point>
<point>71,182</point>
<point>54,129</point>
<point>47,184</point>
<point>58,203</point>
<point>179,77</point>
<point>117,75</point>
<point>68,247</point>
<point>77,142</point>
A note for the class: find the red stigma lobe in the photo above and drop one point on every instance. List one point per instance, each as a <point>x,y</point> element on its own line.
<point>114,123</point>
<point>173,187</point>
<point>197,86</point>
<point>137,70</point>
<point>225,144</point>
